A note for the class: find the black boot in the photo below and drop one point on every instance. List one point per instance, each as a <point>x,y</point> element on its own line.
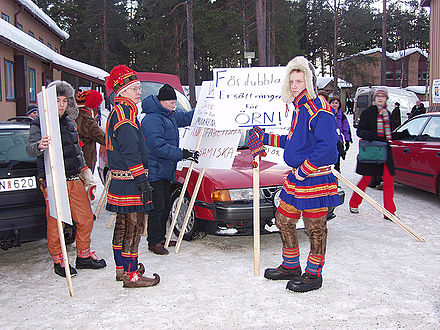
<point>59,270</point>
<point>307,282</point>
<point>282,273</point>
<point>90,263</point>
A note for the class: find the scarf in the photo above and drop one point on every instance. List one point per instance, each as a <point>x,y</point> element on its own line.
<point>383,124</point>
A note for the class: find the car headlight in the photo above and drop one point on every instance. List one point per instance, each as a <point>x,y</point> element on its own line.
<point>233,195</point>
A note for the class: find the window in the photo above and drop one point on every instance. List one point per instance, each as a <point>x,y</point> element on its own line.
<point>5,17</point>
<point>389,75</point>
<point>413,128</point>
<point>423,75</point>
<point>31,33</point>
<point>41,40</point>
<point>19,26</point>
<point>57,51</point>
<point>398,74</point>
<point>49,45</point>
<point>432,130</point>
<point>32,86</point>
<point>0,85</point>
<point>9,80</point>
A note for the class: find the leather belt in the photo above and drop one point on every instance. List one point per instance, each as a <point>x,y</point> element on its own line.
<point>73,177</point>
<point>121,175</point>
<point>323,170</point>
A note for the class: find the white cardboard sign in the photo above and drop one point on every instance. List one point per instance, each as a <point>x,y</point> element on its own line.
<point>54,167</point>
<point>436,91</point>
<point>245,97</point>
<point>217,148</point>
<point>204,116</point>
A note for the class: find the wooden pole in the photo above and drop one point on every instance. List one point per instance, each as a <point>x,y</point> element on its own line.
<point>111,220</point>
<point>256,196</point>
<point>188,212</point>
<point>384,211</point>
<point>104,193</point>
<point>56,186</point>
<point>182,193</point>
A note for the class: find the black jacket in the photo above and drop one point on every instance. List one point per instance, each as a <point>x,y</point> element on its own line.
<point>73,158</point>
<point>367,129</point>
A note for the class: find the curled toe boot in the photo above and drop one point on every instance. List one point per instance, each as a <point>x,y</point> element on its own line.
<point>307,282</point>
<point>282,273</point>
<point>120,272</point>
<point>140,281</point>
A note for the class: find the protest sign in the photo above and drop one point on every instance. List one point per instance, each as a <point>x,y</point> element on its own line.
<point>217,147</point>
<point>246,97</point>
<point>53,157</point>
<point>204,116</point>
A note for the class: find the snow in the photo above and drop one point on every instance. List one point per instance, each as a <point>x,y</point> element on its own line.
<point>393,55</point>
<point>324,81</point>
<point>376,276</point>
<point>417,89</point>
<point>22,39</point>
<point>32,7</point>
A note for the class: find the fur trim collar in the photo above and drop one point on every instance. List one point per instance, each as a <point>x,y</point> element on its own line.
<point>302,64</point>
<point>65,89</point>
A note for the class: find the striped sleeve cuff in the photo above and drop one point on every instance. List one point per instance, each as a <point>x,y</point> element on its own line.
<point>137,170</point>
<point>306,168</point>
<point>271,140</point>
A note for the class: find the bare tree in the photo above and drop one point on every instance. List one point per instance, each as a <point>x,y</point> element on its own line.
<point>384,44</point>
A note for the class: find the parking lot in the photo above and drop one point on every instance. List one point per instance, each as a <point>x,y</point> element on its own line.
<point>376,276</point>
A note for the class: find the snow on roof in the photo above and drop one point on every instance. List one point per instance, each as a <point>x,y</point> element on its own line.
<point>18,37</point>
<point>394,56</point>
<point>324,81</point>
<point>32,7</point>
<point>417,89</point>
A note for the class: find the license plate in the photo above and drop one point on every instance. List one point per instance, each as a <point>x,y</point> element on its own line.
<point>24,183</point>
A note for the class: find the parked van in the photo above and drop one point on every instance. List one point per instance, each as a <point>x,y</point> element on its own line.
<point>364,97</point>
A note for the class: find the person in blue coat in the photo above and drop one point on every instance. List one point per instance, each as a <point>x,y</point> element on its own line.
<point>160,127</point>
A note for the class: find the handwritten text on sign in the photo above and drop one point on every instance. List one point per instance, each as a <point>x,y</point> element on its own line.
<point>204,116</point>
<point>217,148</point>
<point>249,96</point>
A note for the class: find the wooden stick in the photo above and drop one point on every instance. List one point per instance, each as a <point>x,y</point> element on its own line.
<point>182,193</point>
<point>256,209</point>
<point>111,220</point>
<point>104,193</point>
<point>384,211</point>
<point>57,202</point>
<point>188,212</point>
<point>146,224</point>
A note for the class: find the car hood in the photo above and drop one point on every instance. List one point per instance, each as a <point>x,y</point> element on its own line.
<point>240,176</point>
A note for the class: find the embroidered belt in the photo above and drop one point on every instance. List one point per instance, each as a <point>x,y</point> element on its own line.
<point>122,175</point>
<point>323,170</point>
<point>73,177</point>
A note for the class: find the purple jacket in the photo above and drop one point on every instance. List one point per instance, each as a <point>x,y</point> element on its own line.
<point>343,127</point>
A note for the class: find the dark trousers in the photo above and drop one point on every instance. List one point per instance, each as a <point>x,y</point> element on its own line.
<point>158,217</point>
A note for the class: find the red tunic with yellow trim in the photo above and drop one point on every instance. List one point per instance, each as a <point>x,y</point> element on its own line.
<point>310,144</point>
<point>127,156</point>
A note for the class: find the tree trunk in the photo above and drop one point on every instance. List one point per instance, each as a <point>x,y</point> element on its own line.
<point>384,44</point>
<point>261,32</point>
<point>191,74</point>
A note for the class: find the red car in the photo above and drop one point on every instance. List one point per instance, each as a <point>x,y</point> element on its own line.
<point>417,157</point>
<point>224,202</point>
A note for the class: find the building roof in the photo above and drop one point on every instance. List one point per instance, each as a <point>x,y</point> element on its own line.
<point>394,55</point>
<point>9,34</point>
<point>40,15</point>
<point>425,3</point>
<point>324,81</point>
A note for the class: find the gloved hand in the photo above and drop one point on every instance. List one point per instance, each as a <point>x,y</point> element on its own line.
<point>191,155</point>
<point>347,145</point>
<point>89,183</point>
<point>146,191</point>
<point>258,131</point>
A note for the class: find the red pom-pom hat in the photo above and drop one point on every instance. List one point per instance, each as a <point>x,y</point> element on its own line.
<point>120,78</point>
<point>91,99</point>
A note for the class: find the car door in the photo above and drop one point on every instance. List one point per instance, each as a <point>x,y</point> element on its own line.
<point>425,156</point>
<point>401,149</point>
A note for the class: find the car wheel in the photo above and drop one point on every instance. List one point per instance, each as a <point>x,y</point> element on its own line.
<point>69,233</point>
<point>191,228</point>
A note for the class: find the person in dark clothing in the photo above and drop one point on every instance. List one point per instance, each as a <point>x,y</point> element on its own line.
<point>78,175</point>
<point>395,116</point>
<point>160,127</point>
<point>374,124</point>
<point>418,109</point>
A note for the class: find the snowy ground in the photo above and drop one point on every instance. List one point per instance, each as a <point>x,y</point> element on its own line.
<point>376,276</point>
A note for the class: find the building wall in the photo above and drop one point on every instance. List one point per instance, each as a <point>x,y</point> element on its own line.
<point>7,108</point>
<point>29,23</point>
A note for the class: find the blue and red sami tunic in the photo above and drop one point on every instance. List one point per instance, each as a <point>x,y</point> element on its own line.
<point>127,157</point>
<point>310,145</point>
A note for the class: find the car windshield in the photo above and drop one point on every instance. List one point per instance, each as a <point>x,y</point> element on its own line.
<point>413,126</point>
<point>13,145</point>
<point>152,88</point>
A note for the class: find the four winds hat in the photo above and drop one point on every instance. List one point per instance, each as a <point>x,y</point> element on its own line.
<point>121,77</point>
